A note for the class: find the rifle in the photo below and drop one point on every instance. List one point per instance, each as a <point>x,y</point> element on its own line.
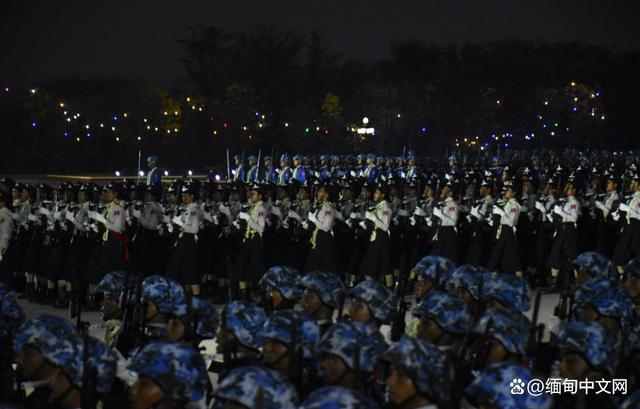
<point>132,329</point>
<point>89,375</point>
<point>398,324</point>
<point>535,331</point>
<point>258,166</point>
<point>228,166</point>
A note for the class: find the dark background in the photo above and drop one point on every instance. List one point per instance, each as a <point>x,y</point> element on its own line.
<point>441,65</point>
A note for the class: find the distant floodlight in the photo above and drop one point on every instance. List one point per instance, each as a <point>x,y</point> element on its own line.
<point>365,120</point>
<point>166,173</point>
<point>217,178</point>
<point>190,173</point>
<point>117,173</point>
<point>141,174</point>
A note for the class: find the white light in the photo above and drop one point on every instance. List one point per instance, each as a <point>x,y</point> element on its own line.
<point>365,120</point>
<point>190,173</point>
<point>217,178</point>
<point>33,90</point>
<point>141,173</point>
<point>139,138</point>
<point>399,116</point>
<point>86,126</point>
<point>113,128</point>
<point>166,173</point>
<point>286,124</point>
<point>117,173</point>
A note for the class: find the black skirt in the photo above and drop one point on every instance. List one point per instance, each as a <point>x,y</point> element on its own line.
<point>504,256</point>
<point>111,258</point>
<point>80,250</point>
<point>18,249</point>
<point>147,253</point>
<point>182,265</point>
<point>565,246</point>
<point>377,259</point>
<point>249,262</point>
<point>31,263</point>
<point>322,257</point>
<point>628,246</point>
<point>447,244</point>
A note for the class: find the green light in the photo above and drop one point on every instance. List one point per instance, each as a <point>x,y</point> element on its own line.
<point>306,130</point>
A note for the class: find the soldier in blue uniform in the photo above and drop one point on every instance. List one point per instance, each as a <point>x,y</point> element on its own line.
<point>252,173</point>
<point>299,173</point>
<point>285,172</point>
<point>239,173</point>
<point>270,174</point>
<point>154,177</point>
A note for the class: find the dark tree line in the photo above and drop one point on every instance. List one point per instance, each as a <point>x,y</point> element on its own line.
<point>278,91</point>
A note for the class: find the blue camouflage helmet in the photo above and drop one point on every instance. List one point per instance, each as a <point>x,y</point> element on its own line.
<point>179,370</point>
<point>58,342</point>
<point>371,156</point>
<point>631,402</point>
<point>284,157</point>
<point>336,397</point>
<point>324,157</point>
<point>152,158</point>
<point>596,264</point>
<point>355,342</point>
<point>494,386</point>
<point>467,277</point>
<point>424,363</point>
<point>245,322</point>
<point>11,314</point>
<point>297,158</point>
<point>507,289</point>
<point>281,326</point>
<point>112,284</point>
<point>335,158</point>
<point>449,311</point>
<point>285,280</point>
<point>203,314</point>
<point>607,296</point>
<point>507,327</point>
<point>253,387</point>
<point>360,156</point>
<point>328,286</point>
<point>252,158</point>
<point>267,159</point>
<point>379,299</point>
<point>105,363</point>
<point>432,268</point>
<point>591,341</point>
<point>411,156</point>
<point>167,295</point>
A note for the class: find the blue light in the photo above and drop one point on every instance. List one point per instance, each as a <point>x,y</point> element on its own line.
<point>424,130</point>
<point>115,118</point>
<point>34,124</point>
<point>597,93</point>
<point>257,113</point>
<point>544,125</point>
<point>506,145</point>
<point>88,134</point>
<point>574,109</point>
<point>66,134</point>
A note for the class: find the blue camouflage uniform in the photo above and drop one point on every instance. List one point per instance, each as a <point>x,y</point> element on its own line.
<point>335,397</point>
<point>254,387</point>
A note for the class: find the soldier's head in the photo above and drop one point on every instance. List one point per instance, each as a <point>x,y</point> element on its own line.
<point>256,194</point>
<point>447,191</point>
<point>303,193</point>
<point>323,193</point>
<point>485,189</point>
<point>587,350</point>
<point>373,303</point>
<point>381,193</point>
<point>570,188</point>
<point>188,193</point>
<point>612,185</point>
<point>510,192</point>
<point>152,161</point>
<point>443,318</point>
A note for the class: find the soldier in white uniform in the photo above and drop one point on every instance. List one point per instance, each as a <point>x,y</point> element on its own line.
<point>608,228</point>
<point>146,244</point>
<point>478,248</point>
<point>249,264</point>
<point>182,265</point>
<point>504,255</point>
<point>6,229</point>
<point>628,246</point>
<point>376,264</point>
<point>565,244</point>
<point>446,238</point>
<point>114,247</point>
<point>322,254</point>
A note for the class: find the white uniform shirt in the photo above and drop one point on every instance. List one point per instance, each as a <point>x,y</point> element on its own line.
<point>634,207</point>
<point>151,215</point>
<point>381,216</point>
<point>511,213</point>
<point>6,228</point>
<point>323,218</point>
<point>256,219</point>
<point>115,216</point>
<point>448,213</point>
<point>570,210</point>
<point>190,219</point>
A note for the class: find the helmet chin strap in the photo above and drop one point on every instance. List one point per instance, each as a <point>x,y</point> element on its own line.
<point>58,401</point>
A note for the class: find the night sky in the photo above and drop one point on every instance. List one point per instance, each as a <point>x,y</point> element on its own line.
<point>133,38</point>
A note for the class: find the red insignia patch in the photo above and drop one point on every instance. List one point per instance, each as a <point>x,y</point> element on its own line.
<point>513,210</point>
<point>573,206</point>
<point>327,213</point>
<point>116,213</point>
<point>260,214</point>
<point>452,208</point>
<point>385,213</point>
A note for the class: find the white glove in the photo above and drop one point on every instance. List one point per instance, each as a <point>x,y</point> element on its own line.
<point>550,217</point>
<point>170,228</point>
<point>136,213</point>
<point>312,217</point>
<point>165,219</point>
<point>557,209</point>
<point>624,207</point>
<point>99,217</point>
<point>353,173</point>
<point>369,216</point>
<point>353,215</point>
<point>69,216</point>
<point>541,207</point>
<point>412,221</point>
<point>403,213</point>
<point>438,213</point>
<point>293,215</point>
<point>32,218</point>
<point>44,211</point>
<point>177,220</point>
<point>243,215</point>
<point>497,210</point>
<point>468,218</point>
<point>207,217</point>
<point>225,210</point>
<point>363,225</point>
<point>419,212</point>
<point>615,216</point>
<point>275,210</point>
<point>94,227</point>
<point>475,213</point>
<point>305,225</point>
<point>429,222</point>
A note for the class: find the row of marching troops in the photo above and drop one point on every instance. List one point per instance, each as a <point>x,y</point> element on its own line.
<point>528,218</point>
<point>469,341</point>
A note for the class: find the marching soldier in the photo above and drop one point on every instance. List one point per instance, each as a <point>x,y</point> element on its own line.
<point>252,173</point>
<point>285,172</point>
<point>270,174</point>
<point>504,255</point>
<point>299,172</point>
<point>377,259</point>
<point>154,177</point>
<point>445,242</point>
<point>322,254</point>
<point>565,243</point>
